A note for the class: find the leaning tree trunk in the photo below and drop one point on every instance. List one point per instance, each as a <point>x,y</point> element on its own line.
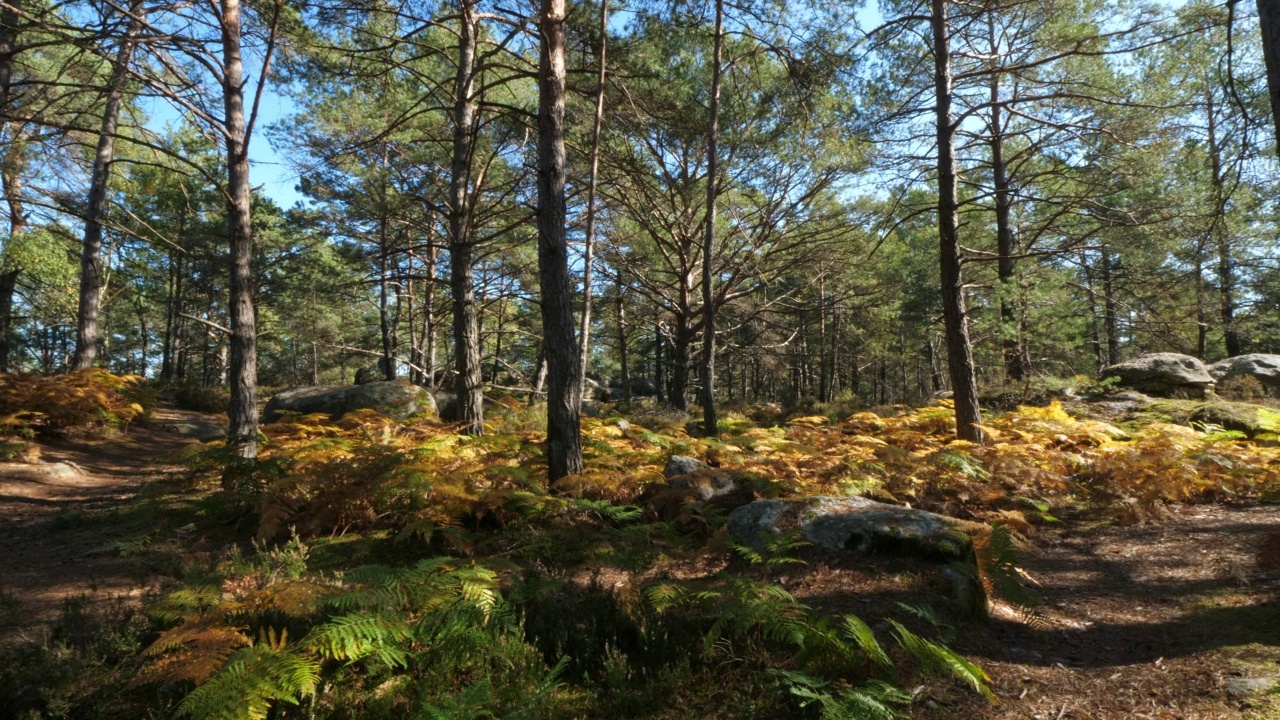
<point>709,423</point>
<point>964,383</point>
<point>564,400</point>
<point>92,275</point>
<point>243,432</point>
<point>466,327</point>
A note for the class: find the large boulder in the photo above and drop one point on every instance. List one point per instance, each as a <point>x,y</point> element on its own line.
<point>395,399</point>
<point>1165,374</point>
<point>1262,367</point>
<point>841,524</point>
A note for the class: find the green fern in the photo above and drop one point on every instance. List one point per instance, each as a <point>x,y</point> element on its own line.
<point>939,657</point>
<point>251,682</point>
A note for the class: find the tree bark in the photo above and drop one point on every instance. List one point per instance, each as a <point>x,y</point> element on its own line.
<point>92,275</point>
<point>1015,356</point>
<point>1269,21</point>
<point>243,432</point>
<point>466,328</point>
<point>564,401</point>
<point>964,383</point>
<point>710,427</point>
<point>1221,237</point>
<point>1110,321</point>
<point>584,331</point>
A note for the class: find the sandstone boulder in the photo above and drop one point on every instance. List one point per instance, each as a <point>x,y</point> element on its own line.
<point>1165,374</point>
<point>395,399</point>
<point>843,524</point>
<point>1260,366</point>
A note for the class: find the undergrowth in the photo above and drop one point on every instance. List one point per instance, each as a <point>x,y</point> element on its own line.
<point>83,401</point>
<point>482,592</point>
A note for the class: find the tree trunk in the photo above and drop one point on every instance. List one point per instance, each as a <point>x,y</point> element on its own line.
<point>388,359</point>
<point>429,309</point>
<point>1015,356</point>
<point>584,331</point>
<point>243,432</point>
<point>92,275</point>
<point>564,399</point>
<point>679,361</point>
<point>710,427</point>
<point>1110,321</point>
<point>1269,20</point>
<point>1221,238</point>
<point>466,327</point>
<point>623,356</point>
<point>964,382</point>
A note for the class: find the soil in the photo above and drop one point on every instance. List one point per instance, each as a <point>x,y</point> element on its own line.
<point>53,551</point>
<point>1178,618</point>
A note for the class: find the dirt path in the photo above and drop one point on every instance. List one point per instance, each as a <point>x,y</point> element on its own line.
<point>50,546</point>
<point>1176,620</point>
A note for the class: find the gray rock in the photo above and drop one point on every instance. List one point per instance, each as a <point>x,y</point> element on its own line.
<point>842,524</point>
<point>1244,687</point>
<point>60,470</point>
<point>1167,374</point>
<point>395,399</point>
<point>706,484</point>
<point>593,391</point>
<point>624,426</point>
<point>1261,366</point>
<point>372,373</point>
<point>200,428</point>
<point>682,465</point>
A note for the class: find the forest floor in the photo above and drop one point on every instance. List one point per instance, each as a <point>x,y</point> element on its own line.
<point>59,518</point>
<point>1175,618</point>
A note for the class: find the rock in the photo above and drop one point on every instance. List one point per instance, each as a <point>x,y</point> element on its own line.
<point>372,373</point>
<point>1260,366</point>
<point>1228,416</point>
<point>1244,687</point>
<point>200,429</point>
<point>842,524</point>
<point>682,465</point>
<point>60,470</point>
<point>641,387</point>
<point>706,483</point>
<point>395,399</point>
<point>624,426</point>
<point>593,391</point>
<point>1167,374</point>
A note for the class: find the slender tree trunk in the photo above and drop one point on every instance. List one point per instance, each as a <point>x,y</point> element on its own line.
<point>1110,322</point>
<point>564,399</point>
<point>964,383</point>
<point>11,167</point>
<point>466,326</point>
<point>92,273</point>
<point>1269,20</point>
<point>584,329</point>
<point>679,360</point>
<point>623,356</point>
<point>388,360</point>
<point>710,426</point>
<point>243,433</point>
<point>1221,237</point>
<point>1015,356</point>
<point>429,308</point>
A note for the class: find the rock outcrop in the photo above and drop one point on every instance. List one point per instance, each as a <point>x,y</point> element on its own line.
<point>844,524</point>
<point>395,399</point>
<point>1164,374</point>
<point>1260,366</point>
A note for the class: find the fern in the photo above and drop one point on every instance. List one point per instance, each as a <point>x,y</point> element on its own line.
<point>253,679</point>
<point>939,657</point>
<point>357,636</point>
<point>861,633</point>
